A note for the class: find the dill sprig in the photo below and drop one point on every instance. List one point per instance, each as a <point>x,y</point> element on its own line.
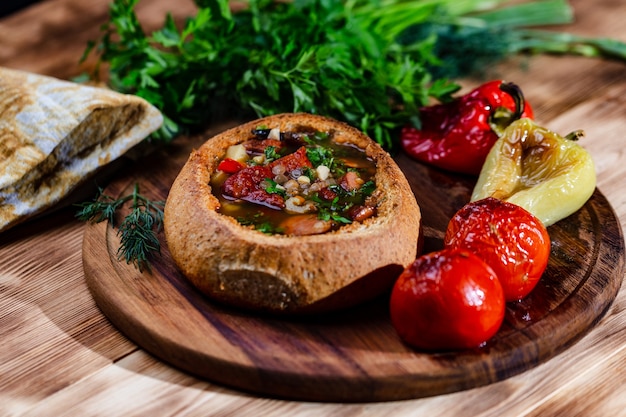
<point>138,230</point>
<point>470,43</point>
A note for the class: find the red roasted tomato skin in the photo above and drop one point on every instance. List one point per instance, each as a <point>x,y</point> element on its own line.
<point>447,300</point>
<point>507,237</point>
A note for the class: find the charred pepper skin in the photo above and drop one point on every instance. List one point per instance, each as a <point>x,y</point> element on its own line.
<point>457,136</point>
<point>547,174</point>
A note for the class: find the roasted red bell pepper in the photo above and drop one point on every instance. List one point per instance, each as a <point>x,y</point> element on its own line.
<point>230,166</point>
<point>457,135</point>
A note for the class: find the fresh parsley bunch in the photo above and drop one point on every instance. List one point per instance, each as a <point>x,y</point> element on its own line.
<point>335,58</point>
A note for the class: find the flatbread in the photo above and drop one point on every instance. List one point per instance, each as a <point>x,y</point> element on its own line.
<point>54,134</point>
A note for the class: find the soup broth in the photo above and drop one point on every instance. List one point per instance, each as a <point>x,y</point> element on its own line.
<point>295,183</point>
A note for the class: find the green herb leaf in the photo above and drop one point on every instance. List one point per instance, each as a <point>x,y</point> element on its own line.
<point>102,208</point>
<point>274,188</point>
<point>320,155</point>
<point>367,188</point>
<point>271,154</point>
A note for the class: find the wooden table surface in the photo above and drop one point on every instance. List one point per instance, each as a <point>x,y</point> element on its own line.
<point>59,356</point>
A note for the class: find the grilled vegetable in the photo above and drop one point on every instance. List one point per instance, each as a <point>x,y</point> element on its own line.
<point>549,175</point>
<point>508,238</point>
<point>457,135</point>
<point>447,300</point>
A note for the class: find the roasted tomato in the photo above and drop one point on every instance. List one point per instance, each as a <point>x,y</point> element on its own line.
<point>507,237</point>
<point>447,300</point>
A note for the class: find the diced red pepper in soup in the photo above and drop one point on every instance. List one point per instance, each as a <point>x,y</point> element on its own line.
<point>230,166</point>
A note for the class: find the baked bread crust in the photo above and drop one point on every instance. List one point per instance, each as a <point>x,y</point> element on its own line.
<point>243,267</point>
<point>55,134</point>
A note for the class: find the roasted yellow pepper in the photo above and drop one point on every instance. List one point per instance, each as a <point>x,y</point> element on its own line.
<point>549,175</point>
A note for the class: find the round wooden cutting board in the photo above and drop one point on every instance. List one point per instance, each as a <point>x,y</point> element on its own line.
<point>353,355</point>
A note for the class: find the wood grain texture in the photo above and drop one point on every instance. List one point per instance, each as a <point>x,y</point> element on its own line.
<point>58,32</point>
<point>42,339</point>
<point>353,355</point>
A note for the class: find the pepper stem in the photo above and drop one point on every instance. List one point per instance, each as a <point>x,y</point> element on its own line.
<point>575,135</point>
<point>516,93</point>
<point>502,117</point>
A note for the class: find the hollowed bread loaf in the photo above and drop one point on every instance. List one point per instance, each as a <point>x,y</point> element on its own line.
<point>237,265</point>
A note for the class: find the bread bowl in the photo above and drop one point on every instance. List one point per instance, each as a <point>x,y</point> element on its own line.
<point>239,265</point>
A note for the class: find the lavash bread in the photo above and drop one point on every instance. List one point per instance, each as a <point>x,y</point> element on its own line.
<point>54,134</point>
<point>239,266</point>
